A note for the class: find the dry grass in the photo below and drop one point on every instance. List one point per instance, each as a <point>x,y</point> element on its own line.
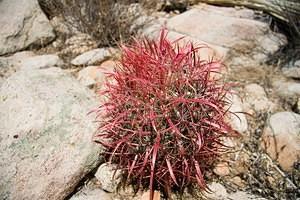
<point>107,21</point>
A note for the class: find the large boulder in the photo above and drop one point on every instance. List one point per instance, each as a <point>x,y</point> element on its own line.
<point>230,28</point>
<point>219,27</point>
<point>46,133</point>
<point>22,24</point>
<point>232,33</point>
<point>152,30</point>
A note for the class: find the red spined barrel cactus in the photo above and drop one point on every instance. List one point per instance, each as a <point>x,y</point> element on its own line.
<point>164,114</point>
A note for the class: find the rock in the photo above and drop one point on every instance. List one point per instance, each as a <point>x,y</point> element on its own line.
<point>92,75</point>
<point>91,194</point>
<point>40,62</point>
<point>287,88</point>
<point>281,138</point>
<point>22,24</point>
<point>238,181</point>
<point>152,28</point>
<point>218,191</point>
<point>236,118</point>
<point>222,27</point>
<point>9,64</point>
<point>240,195</point>
<point>256,98</point>
<point>140,21</point>
<point>108,177</point>
<point>93,57</point>
<point>109,65</point>
<point>46,143</point>
<point>207,52</point>
<point>255,90</point>
<point>15,59</point>
<point>227,11</point>
<point>222,169</point>
<point>291,72</point>
<point>235,37</point>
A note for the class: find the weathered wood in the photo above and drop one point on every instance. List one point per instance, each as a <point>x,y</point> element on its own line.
<point>281,9</point>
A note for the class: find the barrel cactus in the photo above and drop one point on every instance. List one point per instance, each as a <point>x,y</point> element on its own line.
<point>163,117</point>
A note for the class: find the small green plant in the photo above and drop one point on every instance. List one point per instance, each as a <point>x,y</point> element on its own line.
<point>164,115</point>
